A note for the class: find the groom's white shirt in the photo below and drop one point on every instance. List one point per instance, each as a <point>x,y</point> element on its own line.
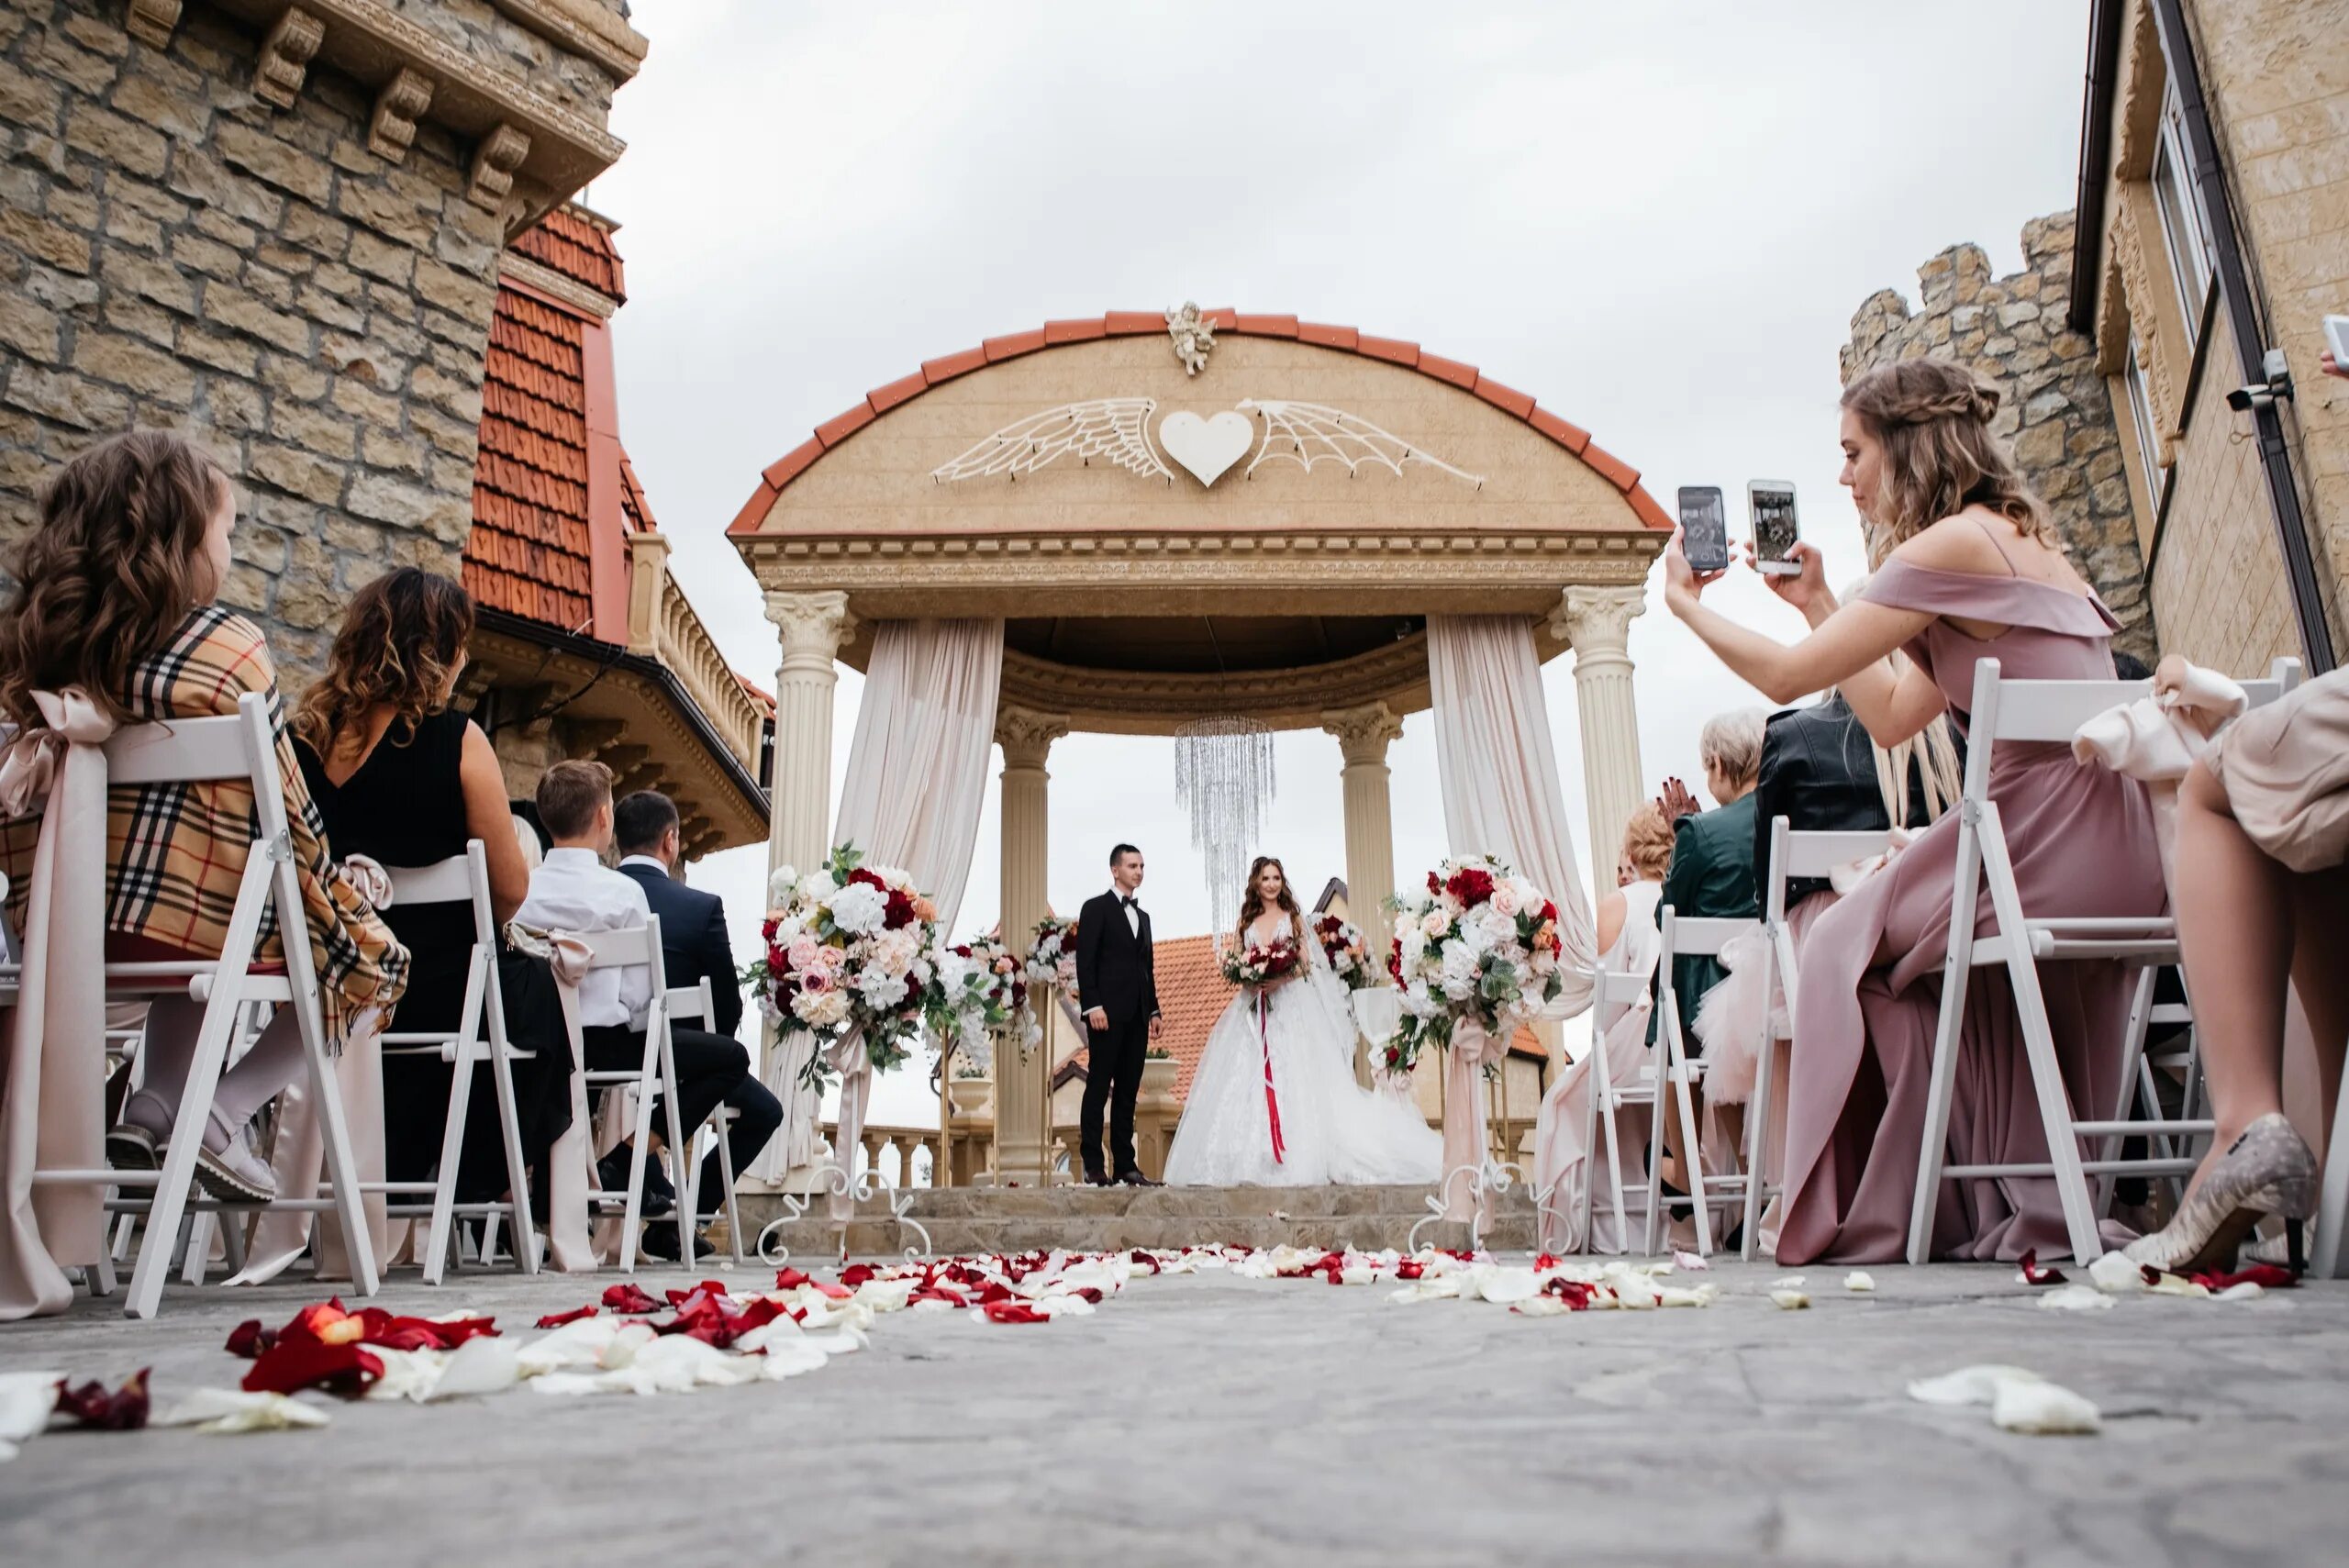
<point>1133,911</point>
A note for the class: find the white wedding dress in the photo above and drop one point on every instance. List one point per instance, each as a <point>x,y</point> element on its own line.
<point>1331,1128</point>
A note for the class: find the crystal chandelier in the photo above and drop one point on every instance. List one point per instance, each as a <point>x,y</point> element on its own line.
<point>1224,775</point>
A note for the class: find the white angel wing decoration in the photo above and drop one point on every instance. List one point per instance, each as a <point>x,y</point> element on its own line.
<point>1308,433</point>
<point>1110,427</point>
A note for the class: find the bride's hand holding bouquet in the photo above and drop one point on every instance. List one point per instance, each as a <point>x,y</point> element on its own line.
<point>1261,966</point>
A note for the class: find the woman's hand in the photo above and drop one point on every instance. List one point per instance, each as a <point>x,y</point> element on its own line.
<point>1683,584</point>
<point>1805,590</point>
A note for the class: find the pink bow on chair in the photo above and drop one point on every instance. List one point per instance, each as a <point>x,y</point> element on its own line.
<point>52,1101</point>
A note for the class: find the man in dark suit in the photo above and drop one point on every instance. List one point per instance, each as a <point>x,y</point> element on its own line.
<point>713,1067</point>
<point>1116,987</point>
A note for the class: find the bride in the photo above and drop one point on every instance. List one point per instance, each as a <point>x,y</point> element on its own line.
<point>1289,1063</point>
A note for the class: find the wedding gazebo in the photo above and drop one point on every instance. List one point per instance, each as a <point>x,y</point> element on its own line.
<point>1136,522</point>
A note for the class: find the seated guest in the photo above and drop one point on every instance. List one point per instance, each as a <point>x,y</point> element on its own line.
<point>404,779</point>
<point>115,594</point>
<point>1628,944</point>
<point>2263,840</point>
<point>1969,568</point>
<point>694,948</point>
<point>574,891</point>
<point>1712,874</point>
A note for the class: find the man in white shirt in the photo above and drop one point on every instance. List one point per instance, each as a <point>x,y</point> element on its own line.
<point>573,890</point>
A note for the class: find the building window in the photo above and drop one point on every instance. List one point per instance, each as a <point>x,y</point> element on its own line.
<point>2141,417</point>
<point>2185,227</point>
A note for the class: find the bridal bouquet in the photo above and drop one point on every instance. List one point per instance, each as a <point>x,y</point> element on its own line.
<point>848,952</point>
<point>1481,943</point>
<point>1052,954</point>
<point>977,987</point>
<point>1341,943</point>
<point>1259,964</point>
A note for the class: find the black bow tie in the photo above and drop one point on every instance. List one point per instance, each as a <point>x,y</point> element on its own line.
<point>1128,900</point>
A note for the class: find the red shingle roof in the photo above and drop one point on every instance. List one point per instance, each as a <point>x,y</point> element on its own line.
<point>1130,323</point>
<point>578,244</point>
<point>528,553</point>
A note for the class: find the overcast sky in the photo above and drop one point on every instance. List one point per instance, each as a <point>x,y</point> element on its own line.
<point>1657,219</point>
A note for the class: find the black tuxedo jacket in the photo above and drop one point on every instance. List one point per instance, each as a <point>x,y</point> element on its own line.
<point>1114,968</point>
<point>693,941</point>
<point>1819,772</point>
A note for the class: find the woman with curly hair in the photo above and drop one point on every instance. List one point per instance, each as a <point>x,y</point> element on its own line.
<point>405,779</point>
<point>1969,569</point>
<point>115,601</point>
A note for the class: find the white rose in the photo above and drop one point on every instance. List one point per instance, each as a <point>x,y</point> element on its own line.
<point>781,885</point>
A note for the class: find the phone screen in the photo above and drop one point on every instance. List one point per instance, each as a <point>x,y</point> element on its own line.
<point>1772,506</point>
<point>1704,527</point>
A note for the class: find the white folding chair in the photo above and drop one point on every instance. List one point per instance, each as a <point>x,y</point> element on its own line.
<point>1678,1072</point>
<point>639,947</point>
<point>1792,855</point>
<point>696,1004</point>
<point>1610,988</point>
<point>238,746</point>
<point>2047,712</point>
<point>464,879</point>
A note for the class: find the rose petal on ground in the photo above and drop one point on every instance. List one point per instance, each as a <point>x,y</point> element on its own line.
<point>2074,1298</point>
<point>557,1319</point>
<point>2039,1408</point>
<point>2031,1274</point>
<point>1503,1286</point>
<point>229,1410</point>
<point>1689,1261</point>
<point>2116,1274</point>
<point>1969,1385</point>
<point>480,1366</point>
<point>1859,1280</point>
<point>1789,1300</point>
<point>1543,1306</point>
<point>297,1361</point>
<point>2267,1276</point>
<point>26,1400</point>
<point>628,1298</point>
<point>1694,1296</point>
<point>124,1410</point>
<point>408,1374</point>
<point>248,1338</point>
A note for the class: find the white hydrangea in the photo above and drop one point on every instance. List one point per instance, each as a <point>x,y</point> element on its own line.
<point>817,886</point>
<point>881,990</point>
<point>781,885</point>
<point>858,909</point>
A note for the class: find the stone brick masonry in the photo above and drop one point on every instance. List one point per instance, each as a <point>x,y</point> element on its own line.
<point>176,252</point>
<point>2055,409</point>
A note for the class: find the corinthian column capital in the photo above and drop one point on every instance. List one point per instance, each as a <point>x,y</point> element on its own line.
<point>1027,736</point>
<point>1597,619</point>
<point>811,624</point>
<point>1363,732</point>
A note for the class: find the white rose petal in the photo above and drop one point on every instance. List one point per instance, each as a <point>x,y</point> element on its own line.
<point>2042,1409</point>
<point>1789,1300</point>
<point>2117,1274</point>
<point>482,1365</point>
<point>2074,1298</point>
<point>1969,1385</point>
<point>232,1410</point>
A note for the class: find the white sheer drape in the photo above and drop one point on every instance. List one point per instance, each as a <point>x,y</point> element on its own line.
<point>917,777</point>
<point>1499,773</point>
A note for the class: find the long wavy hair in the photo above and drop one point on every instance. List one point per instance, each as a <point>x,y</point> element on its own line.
<point>403,634</point>
<point>114,566</point>
<point>1932,419</point>
<point>1252,904</point>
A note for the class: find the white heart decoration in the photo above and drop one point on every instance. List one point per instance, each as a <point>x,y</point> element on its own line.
<point>1207,447</point>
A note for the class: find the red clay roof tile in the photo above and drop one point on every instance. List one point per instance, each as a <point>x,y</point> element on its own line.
<point>1574,438</point>
<point>1080,331</point>
<point>843,425</point>
<point>1499,397</point>
<point>1265,326</point>
<point>1014,345</point>
<point>1650,511</point>
<point>1393,349</point>
<point>577,244</point>
<point>1460,375</point>
<point>1618,472</point>
<point>1132,323</point>
<point>1327,337</point>
<point>885,398</point>
<point>788,467</point>
<point>936,371</point>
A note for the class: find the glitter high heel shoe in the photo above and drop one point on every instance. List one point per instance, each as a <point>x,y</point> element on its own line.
<point>2269,1170</point>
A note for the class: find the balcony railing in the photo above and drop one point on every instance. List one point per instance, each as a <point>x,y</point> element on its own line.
<point>663,623</point>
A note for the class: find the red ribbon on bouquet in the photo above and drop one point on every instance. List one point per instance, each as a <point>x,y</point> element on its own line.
<point>1271,1101</point>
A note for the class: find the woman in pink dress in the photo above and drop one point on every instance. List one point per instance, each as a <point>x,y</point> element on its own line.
<point>1970,569</point>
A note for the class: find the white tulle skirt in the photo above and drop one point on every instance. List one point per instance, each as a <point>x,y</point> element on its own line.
<point>1331,1128</point>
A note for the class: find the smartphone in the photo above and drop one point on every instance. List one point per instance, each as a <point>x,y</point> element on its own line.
<point>1770,503</point>
<point>1704,527</point>
<point>2336,338</point>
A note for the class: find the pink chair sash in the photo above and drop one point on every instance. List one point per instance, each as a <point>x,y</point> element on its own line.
<point>1464,1135</point>
<point>573,1247</point>
<point>849,1057</point>
<point>52,1099</point>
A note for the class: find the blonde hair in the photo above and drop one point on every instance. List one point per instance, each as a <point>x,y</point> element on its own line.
<point>1732,743</point>
<point>1647,842</point>
<point>1932,419</point>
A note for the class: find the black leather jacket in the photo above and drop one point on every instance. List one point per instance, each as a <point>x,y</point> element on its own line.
<point>1819,772</point>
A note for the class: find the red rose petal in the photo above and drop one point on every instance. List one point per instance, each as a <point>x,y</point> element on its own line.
<point>627,1298</point>
<point>1012,1312</point>
<point>298,1360</point>
<point>248,1338</point>
<point>124,1410</point>
<point>1574,1292</point>
<point>394,1333</point>
<point>856,1274</point>
<point>2266,1276</point>
<point>557,1319</point>
<point>938,1294</point>
<point>2033,1275</point>
<point>789,1279</point>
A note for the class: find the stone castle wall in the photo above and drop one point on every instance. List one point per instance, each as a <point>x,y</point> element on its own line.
<point>2054,410</point>
<point>176,250</point>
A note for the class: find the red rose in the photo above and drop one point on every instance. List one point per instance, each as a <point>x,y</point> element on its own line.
<point>1435,885</point>
<point>1470,884</point>
<point>866,877</point>
<point>899,911</point>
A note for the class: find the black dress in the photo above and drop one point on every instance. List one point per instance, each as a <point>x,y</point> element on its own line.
<point>405,807</point>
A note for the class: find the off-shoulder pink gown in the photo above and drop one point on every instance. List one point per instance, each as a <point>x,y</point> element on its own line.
<point>2083,844</point>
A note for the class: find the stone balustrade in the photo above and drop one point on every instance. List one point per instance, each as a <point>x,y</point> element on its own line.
<point>905,1141</point>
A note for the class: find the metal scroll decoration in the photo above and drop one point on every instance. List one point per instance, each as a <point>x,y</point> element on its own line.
<point>1224,775</point>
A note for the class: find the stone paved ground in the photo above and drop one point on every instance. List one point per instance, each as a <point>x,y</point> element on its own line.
<point>1211,1419</point>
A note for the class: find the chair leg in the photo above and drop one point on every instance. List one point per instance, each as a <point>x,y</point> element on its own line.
<point>195,1260</point>
<point>1600,1099</point>
<point>646,1077</point>
<point>438,1242</point>
<point>733,1215</point>
<point>1757,1138</point>
<point>1957,970</point>
<point>682,1151</point>
<point>1692,1158</point>
<point>518,1174</point>
<point>342,1164</point>
<point>2133,1061</point>
<point>178,1174</point>
<point>1658,1108</point>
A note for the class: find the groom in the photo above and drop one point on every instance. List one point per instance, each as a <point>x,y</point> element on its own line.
<point>1116,986</point>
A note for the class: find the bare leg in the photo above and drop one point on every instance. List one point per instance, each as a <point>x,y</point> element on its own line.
<point>2320,912</point>
<point>2235,934</point>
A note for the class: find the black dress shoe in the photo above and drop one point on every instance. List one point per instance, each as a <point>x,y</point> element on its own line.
<point>611,1176</point>
<point>660,1245</point>
<point>1136,1179</point>
<point>1095,1179</point>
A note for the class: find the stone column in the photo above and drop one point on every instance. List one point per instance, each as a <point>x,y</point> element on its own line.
<point>1022,1107</point>
<point>1597,622</point>
<point>1363,736</point>
<point>812,628</point>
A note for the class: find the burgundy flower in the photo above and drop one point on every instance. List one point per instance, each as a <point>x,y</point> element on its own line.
<point>866,877</point>
<point>898,913</point>
<point>1574,1292</point>
<point>1435,885</point>
<point>124,1410</point>
<point>1470,884</point>
<point>557,1319</point>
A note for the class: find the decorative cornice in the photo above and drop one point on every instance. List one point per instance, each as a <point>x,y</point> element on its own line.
<point>1156,701</point>
<point>393,129</point>
<point>1363,733</point>
<point>586,28</point>
<point>151,21</point>
<point>1025,735</point>
<point>1597,619</point>
<point>2146,306</point>
<point>284,62</point>
<point>568,291</point>
<point>495,157</point>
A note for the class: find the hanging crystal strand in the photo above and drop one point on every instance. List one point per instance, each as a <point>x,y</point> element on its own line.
<point>1223,774</point>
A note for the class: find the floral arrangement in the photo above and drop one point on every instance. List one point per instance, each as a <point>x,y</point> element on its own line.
<point>1052,954</point>
<point>977,987</point>
<point>1259,964</point>
<point>1341,943</point>
<point>1481,943</point>
<point>849,950</point>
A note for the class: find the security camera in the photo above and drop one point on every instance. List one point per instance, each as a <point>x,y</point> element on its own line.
<point>2264,394</point>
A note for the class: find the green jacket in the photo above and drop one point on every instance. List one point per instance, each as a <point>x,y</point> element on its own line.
<point>1711,878</point>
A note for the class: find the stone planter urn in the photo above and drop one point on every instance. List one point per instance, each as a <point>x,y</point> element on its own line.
<point>969,1096</point>
<point>1158,1076</point>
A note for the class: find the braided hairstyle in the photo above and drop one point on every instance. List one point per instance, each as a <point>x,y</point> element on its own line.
<point>1932,419</point>
<point>402,636</point>
<point>114,566</point>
